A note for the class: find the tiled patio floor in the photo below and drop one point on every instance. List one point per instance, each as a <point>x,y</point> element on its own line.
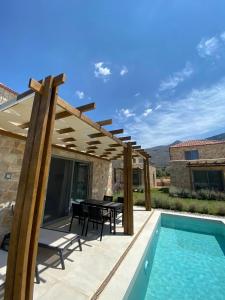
<point>86,270</point>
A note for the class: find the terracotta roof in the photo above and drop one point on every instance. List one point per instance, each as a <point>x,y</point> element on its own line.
<point>8,89</point>
<point>197,143</point>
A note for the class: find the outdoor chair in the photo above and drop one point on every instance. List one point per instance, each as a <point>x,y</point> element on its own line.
<point>97,216</point>
<point>78,213</point>
<point>58,241</point>
<point>108,198</point>
<point>3,261</point>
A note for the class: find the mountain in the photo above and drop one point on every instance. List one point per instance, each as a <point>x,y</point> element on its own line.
<point>160,154</point>
<point>217,137</point>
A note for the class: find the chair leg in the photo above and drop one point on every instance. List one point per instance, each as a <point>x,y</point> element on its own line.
<point>82,233</point>
<point>71,222</point>
<point>87,228</point>
<point>101,231</point>
<point>37,275</point>
<point>79,242</point>
<point>110,225</point>
<point>62,259</point>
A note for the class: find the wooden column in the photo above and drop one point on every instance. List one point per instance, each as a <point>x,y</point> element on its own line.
<point>147,184</point>
<point>128,191</point>
<point>31,191</point>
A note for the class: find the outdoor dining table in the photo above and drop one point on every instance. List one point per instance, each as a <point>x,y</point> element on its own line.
<point>112,206</point>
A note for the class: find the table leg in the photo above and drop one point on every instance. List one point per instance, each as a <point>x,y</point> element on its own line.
<point>114,220</point>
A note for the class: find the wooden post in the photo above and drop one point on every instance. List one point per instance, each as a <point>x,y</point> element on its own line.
<point>31,191</point>
<point>128,191</point>
<point>147,184</point>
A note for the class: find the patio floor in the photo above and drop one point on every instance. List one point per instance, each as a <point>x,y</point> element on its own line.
<point>85,271</point>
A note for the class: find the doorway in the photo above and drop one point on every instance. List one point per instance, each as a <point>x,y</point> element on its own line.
<point>68,180</point>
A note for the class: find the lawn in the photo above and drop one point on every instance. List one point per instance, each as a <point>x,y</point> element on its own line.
<point>161,199</point>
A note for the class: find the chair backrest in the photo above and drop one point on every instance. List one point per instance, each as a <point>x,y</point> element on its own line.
<point>120,199</point>
<point>77,209</point>
<point>95,213</point>
<point>108,198</point>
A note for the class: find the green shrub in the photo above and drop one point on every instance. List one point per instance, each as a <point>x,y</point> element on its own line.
<point>204,210</point>
<point>221,211</point>
<point>178,206</point>
<point>139,202</point>
<point>157,203</point>
<point>165,204</point>
<point>192,208</point>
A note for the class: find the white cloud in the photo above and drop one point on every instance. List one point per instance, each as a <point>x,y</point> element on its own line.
<point>222,36</point>
<point>147,112</point>
<point>195,115</point>
<point>102,71</point>
<point>137,94</point>
<point>126,112</point>
<point>123,71</point>
<point>208,47</point>
<point>80,94</point>
<point>158,106</point>
<point>174,80</point>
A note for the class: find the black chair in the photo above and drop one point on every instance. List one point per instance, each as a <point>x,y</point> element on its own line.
<point>108,198</point>
<point>78,213</point>
<point>120,199</point>
<point>97,216</point>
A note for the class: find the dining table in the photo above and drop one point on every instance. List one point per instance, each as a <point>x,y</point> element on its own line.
<point>113,207</point>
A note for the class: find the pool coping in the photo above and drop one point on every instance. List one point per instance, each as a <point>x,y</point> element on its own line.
<point>123,276</point>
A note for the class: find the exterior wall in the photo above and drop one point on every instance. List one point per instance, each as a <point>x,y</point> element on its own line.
<point>205,151</point>
<point>117,179</point>
<point>181,175</point>
<point>11,156</point>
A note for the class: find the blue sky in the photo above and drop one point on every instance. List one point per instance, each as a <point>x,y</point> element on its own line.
<point>156,67</point>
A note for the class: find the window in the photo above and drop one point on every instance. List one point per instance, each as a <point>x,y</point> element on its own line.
<point>192,154</point>
<point>136,177</point>
<point>212,180</point>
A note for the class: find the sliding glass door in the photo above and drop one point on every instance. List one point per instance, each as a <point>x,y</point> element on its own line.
<point>80,183</point>
<point>68,180</point>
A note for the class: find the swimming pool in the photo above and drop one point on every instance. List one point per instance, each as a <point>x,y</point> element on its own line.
<point>185,259</point>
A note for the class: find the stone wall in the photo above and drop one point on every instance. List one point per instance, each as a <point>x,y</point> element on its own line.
<point>205,151</point>
<point>11,156</point>
<point>117,180</point>
<point>180,174</point>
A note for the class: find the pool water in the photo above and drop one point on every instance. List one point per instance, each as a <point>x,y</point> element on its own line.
<point>184,260</point>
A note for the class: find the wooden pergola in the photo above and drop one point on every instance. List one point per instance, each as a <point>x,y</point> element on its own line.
<point>54,123</point>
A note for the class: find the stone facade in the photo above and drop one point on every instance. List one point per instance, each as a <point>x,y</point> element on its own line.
<point>11,156</point>
<point>117,181</point>
<point>210,151</point>
<point>211,158</point>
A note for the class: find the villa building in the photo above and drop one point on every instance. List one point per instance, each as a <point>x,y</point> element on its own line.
<point>138,174</point>
<point>6,93</point>
<point>198,164</point>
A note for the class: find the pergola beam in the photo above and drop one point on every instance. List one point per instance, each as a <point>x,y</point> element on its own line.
<point>87,107</point>
<point>125,138</point>
<point>105,122</point>
<point>116,131</point>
